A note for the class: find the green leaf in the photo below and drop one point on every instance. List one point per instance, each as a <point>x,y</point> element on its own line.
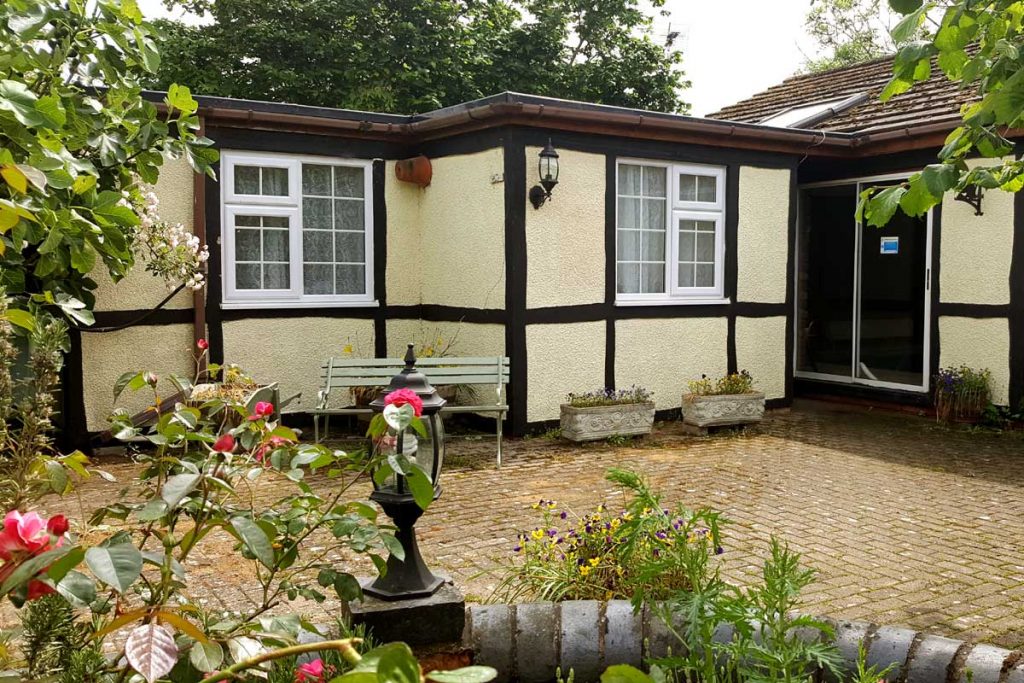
<point>21,318</point>
<point>83,184</point>
<point>940,178</point>
<point>255,539</point>
<point>180,97</point>
<point>59,569</point>
<point>882,207</point>
<point>118,566</point>
<point>917,199</point>
<point>397,664</point>
<point>16,98</point>
<point>206,657</point>
<point>903,7</point>
<point>78,588</point>
<point>421,487</point>
<point>472,674</point>
<point>152,511</point>
<point>135,380</point>
<point>394,546</point>
<point>908,26</point>
<point>31,567</point>
<point>621,673</point>
<point>52,111</point>
<point>177,487</point>
<point>347,587</point>
<point>56,476</point>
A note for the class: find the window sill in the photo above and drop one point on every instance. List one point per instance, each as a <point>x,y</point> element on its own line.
<point>265,304</point>
<point>675,301</point>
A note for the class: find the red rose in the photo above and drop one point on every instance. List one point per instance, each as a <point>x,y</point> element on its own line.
<point>224,444</point>
<point>399,397</point>
<point>203,344</point>
<point>263,410</point>
<point>58,525</point>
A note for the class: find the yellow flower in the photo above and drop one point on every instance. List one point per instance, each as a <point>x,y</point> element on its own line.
<point>594,562</point>
<point>584,570</point>
<point>537,534</point>
<point>347,349</point>
<point>615,524</point>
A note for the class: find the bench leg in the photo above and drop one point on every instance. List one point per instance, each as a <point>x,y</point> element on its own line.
<point>499,440</point>
<point>316,428</point>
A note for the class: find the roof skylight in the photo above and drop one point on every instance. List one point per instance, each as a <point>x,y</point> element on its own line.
<point>796,117</point>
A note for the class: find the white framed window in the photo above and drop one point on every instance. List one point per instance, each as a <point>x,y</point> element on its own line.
<point>296,230</point>
<point>670,233</point>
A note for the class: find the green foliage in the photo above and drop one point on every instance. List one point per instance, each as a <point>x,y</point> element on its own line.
<point>849,32</point>
<point>609,397</point>
<point>734,383</point>
<point>412,56</point>
<point>872,674</point>
<point>50,634</point>
<point>74,156</point>
<point>962,392</point>
<point>645,549</point>
<point>978,46</point>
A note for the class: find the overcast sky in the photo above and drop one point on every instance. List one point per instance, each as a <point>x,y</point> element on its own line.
<point>731,48</point>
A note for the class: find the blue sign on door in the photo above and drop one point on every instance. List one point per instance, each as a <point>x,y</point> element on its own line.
<point>890,245</point>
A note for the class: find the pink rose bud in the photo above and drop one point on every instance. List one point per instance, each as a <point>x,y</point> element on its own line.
<point>58,525</point>
<point>151,378</point>
<point>224,444</point>
<point>263,409</point>
<point>203,344</point>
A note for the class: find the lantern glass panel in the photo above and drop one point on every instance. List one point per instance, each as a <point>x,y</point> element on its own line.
<point>429,458</point>
<point>548,168</point>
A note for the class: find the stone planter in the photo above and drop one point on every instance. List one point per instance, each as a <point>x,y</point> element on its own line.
<point>724,410</point>
<point>600,422</point>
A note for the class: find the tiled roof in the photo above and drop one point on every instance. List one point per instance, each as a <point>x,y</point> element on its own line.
<point>928,101</point>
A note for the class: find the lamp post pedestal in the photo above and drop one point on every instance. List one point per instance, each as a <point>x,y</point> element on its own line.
<point>409,578</point>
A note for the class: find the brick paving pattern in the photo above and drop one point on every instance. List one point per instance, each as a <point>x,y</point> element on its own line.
<point>906,521</point>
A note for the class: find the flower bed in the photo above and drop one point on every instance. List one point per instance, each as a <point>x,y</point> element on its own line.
<point>731,400</point>
<point>605,413</point>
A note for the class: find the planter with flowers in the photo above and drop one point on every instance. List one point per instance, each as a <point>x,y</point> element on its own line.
<point>729,401</point>
<point>962,393</point>
<point>600,414</point>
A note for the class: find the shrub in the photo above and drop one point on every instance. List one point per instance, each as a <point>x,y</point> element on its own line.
<point>735,383</point>
<point>609,397</point>
<point>961,392</point>
<point>604,555</point>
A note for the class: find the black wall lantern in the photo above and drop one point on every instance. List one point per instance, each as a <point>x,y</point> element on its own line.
<point>410,578</point>
<point>547,168</point>
<point>972,195</point>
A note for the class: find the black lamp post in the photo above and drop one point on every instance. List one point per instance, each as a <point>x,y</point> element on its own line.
<point>547,169</point>
<point>410,578</point>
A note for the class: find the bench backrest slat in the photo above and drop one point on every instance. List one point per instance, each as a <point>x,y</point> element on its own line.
<point>352,372</point>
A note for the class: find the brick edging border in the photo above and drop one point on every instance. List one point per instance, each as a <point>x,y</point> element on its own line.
<point>527,642</point>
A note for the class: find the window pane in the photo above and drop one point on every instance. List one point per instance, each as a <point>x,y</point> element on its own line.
<point>629,278</point>
<point>348,181</point>
<point>706,188</point>
<point>686,275</point>
<point>349,246</point>
<point>629,245</point>
<point>275,245</point>
<point>275,181</point>
<point>247,245</point>
<point>687,187</point>
<point>653,214</point>
<point>705,247</point>
<point>705,275</point>
<point>654,247</point>
<point>253,221</point>
<point>654,181</point>
<point>348,214</point>
<point>653,278</point>
<point>247,276</point>
<point>686,246</point>
<point>349,280</point>
<point>318,279</point>
<point>629,179</point>
<point>629,213</point>
<point>247,180</point>
<point>275,276</point>
<point>706,226</point>
<point>316,213</point>
<point>275,221</point>
<point>318,245</point>
<point>316,179</point>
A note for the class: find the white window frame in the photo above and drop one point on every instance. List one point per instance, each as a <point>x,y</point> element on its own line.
<point>677,209</point>
<point>233,204</point>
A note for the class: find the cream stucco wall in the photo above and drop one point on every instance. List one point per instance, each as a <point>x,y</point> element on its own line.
<point>978,343</point>
<point>290,351</point>
<point>664,354</point>
<point>565,238</point>
<point>763,235</point>
<point>446,242</point>
<point>976,250</point>
<point>404,268</point>
<point>141,289</point>
<point>562,359</point>
<point>466,339</point>
<point>162,349</point>
<point>761,350</point>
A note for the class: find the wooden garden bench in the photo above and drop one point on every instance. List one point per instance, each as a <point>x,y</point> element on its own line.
<point>345,373</point>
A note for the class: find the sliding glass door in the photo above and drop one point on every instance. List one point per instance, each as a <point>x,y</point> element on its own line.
<point>862,292</point>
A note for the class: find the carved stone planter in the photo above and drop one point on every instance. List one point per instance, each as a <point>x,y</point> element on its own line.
<point>600,422</point>
<point>724,410</point>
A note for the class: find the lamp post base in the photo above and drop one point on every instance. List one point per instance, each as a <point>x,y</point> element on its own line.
<point>407,578</point>
<point>437,618</point>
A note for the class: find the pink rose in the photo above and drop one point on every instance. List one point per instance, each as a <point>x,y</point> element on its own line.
<point>203,345</point>
<point>58,525</point>
<point>263,410</point>
<point>267,448</point>
<point>224,444</point>
<point>310,672</point>
<point>23,533</point>
<point>400,397</point>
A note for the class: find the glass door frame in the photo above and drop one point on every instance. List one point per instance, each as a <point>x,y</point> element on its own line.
<point>852,378</point>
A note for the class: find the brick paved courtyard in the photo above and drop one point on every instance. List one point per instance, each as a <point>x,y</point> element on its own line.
<point>906,521</point>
